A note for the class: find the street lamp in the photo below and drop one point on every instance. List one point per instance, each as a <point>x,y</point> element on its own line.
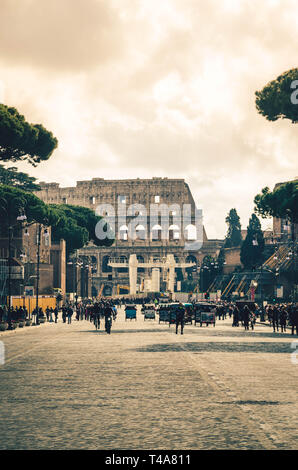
<point>77,262</point>
<point>20,218</point>
<point>46,235</point>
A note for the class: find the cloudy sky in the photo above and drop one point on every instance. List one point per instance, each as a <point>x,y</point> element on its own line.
<point>142,88</point>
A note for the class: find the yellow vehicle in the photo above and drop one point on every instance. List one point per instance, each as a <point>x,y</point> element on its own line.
<point>119,287</point>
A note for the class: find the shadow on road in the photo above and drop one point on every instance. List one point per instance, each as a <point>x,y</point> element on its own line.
<point>114,331</point>
<point>255,402</point>
<point>239,332</point>
<point>200,347</point>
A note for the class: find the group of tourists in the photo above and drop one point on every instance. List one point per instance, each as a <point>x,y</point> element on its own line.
<point>279,316</point>
<point>13,314</point>
<point>283,315</point>
<point>245,314</point>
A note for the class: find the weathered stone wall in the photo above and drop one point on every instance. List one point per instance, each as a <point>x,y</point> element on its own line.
<point>232,259</point>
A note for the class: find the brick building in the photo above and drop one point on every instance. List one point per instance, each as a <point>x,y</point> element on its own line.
<point>24,246</point>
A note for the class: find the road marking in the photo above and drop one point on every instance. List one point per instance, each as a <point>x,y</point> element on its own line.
<point>248,411</point>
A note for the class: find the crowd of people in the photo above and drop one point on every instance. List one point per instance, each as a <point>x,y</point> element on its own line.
<point>279,316</point>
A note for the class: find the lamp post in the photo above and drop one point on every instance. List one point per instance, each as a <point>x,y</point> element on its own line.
<point>46,234</point>
<point>292,254</point>
<point>84,274</point>
<point>75,281</point>
<point>20,218</point>
<point>37,273</point>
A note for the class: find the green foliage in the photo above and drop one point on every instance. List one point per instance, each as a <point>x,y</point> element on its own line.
<point>12,177</point>
<point>253,246</point>
<point>274,100</point>
<point>76,225</point>
<point>15,202</point>
<point>221,260</point>
<point>188,286</point>
<point>208,272</point>
<point>20,140</point>
<point>282,202</point>
<point>233,238</point>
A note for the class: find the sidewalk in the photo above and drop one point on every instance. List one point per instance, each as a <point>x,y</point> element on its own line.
<point>25,328</point>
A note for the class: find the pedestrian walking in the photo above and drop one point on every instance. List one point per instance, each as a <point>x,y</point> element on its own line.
<point>235,316</point>
<point>275,318</point>
<point>246,317</point>
<point>69,314</point>
<point>56,314</point>
<point>77,313</point>
<point>230,311</point>
<point>283,316</point>
<point>293,314</point>
<point>48,313</point>
<point>252,318</point>
<point>51,314</point>
<point>64,312</point>
<point>180,315</point>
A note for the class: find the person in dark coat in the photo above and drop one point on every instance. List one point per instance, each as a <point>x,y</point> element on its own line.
<point>180,316</point>
<point>48,313</point>
<point>275,318</point>
<point>246,317</point>
<point>293,315</point>
<point>283,316</point>
<point>64,311</point>
<point>235,316</point>
<point>69,314</point>
<point>56,314</point>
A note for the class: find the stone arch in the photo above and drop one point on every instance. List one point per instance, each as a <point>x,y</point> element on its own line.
<point>123,270</point>
<point>190,232</point>
<point>123,233</point>
<point>156,232</point>
<point>141,259</point>
<point>107,290</point>
<point>105,268</point>
<point>140,232</point>
<point>174,232</point>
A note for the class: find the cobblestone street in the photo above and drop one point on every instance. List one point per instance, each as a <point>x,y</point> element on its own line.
<point>144,387</point>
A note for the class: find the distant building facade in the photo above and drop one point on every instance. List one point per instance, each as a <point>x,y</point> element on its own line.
<point>23,254</point>
<point>137,232</point>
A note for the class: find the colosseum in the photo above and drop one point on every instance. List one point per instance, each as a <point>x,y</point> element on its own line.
<point>128,206</point>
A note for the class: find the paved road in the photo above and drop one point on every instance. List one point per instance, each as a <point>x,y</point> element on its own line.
<point>144,387</point>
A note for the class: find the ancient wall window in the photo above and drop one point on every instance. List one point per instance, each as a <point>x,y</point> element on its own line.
<point>92,200</point>
<point>105,267</point>
<point>140,232</point>
<point>156,232</point>
<point>122,199</point>
<point>64,200</point>
<point>157,199</point>
<point>123,233</point>
<point>140,260</point>
<point>174,232</point>
<point>191,232</point>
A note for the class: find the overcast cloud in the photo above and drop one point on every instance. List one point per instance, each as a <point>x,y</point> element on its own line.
<point>142,88</point>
